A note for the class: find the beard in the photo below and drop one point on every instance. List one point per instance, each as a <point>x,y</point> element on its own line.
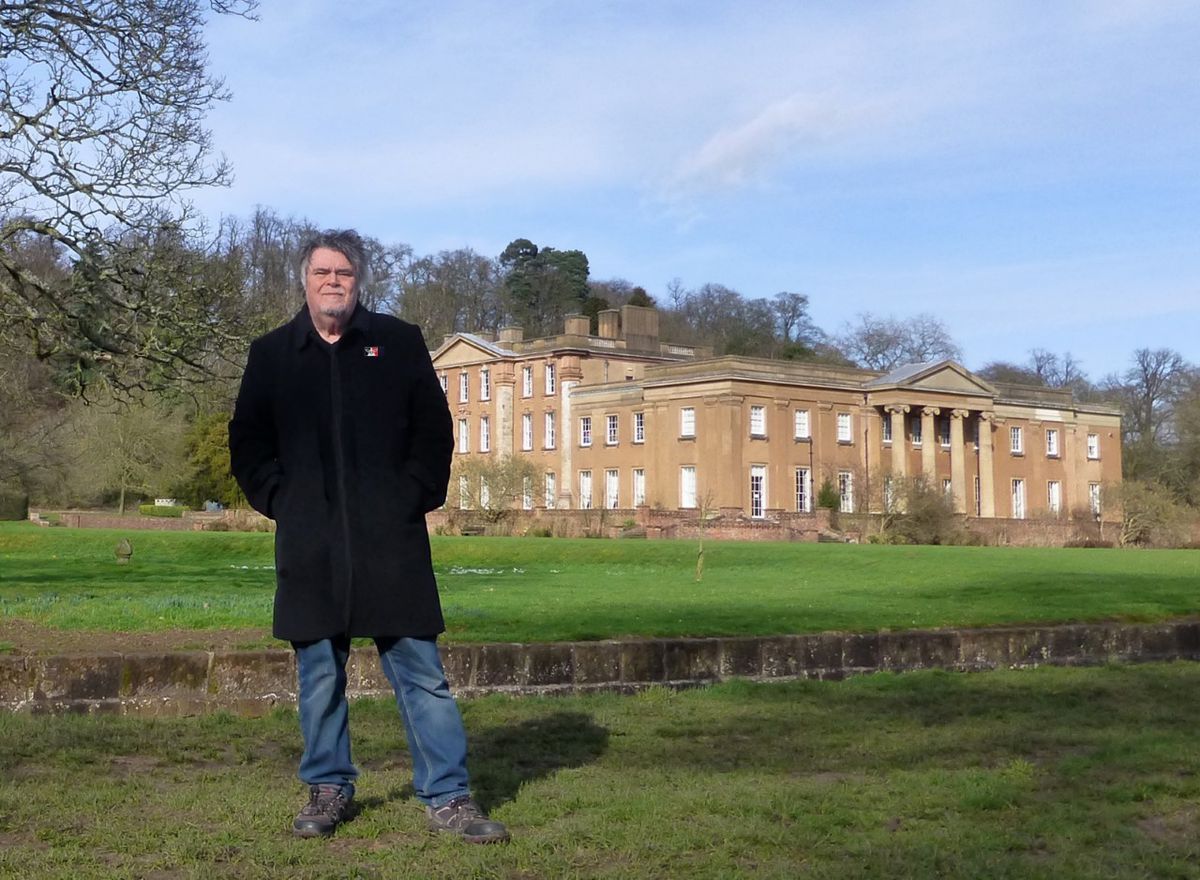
<point>339,311</point>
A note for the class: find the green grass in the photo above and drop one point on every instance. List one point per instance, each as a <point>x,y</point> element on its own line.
<point>1052,773</point>
<point>527,589</point>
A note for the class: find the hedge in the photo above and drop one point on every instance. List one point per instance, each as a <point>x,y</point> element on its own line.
<point>14,506</point>
<point>160,510</point>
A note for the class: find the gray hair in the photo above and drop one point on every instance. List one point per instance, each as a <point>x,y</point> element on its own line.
<point>346,242</point>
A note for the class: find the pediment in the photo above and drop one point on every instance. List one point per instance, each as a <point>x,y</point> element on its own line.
<point>942,376</point>
<point>460,349</point>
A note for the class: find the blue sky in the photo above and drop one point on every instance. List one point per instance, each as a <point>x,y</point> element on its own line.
<point>1027,171</point>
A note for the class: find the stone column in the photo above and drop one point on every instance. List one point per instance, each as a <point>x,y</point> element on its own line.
<point>929,443</point>
<point>958,471</point>
<point>569,375</point>
<point>899,441</point>
<point>987,480</point>
<point>505,382</point>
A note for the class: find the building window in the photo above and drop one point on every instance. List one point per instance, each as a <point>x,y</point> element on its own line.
<point>844,434</point>
<point>800,429</point>
<point>1093,446</point>
<point>527,381</point>
<point>758,421</point>
<point>916,431</point>
<point>1094,498</point>
<point>611,430</point>
<point>445,383</point>
<point>978,500</point>
<point>1018,499</point>
<point>639,427</point>
<point>551,384</point>
<point>687,486</point>
<point>485,434</point>
<point>464,493</point>
<point>464,436</point>
<point>1016,439</point>
<point>612,490</point>
<point>846,491</point>
<point>687,422</point>
<point>887,427</point>
<point>485,493</point>
<point>975,433</point>
<point>803,490</point>
<point>485,384</point>
<point>758,490</point>
<point>1052,442</point>
<point>1054,497</point>
<point>947,487</point>
<point>527,494</point>
<point>551,490</point>
<point>527,431</point>
<point>585,490</point>
<point>639,487</point>
<point>943,429</point>
<point>585,430</point>
<point>464,387</point>
<point>548,435</point>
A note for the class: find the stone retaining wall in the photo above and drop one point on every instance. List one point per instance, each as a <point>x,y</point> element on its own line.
<point>252,682</point>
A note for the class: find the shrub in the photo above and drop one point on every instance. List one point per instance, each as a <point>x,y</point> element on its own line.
<point>828,496</point>
<point>927,515</point>
<point>160,510</point>
<point>14,506</point>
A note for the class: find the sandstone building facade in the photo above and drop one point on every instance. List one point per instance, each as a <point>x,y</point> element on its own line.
<point>621,420</point>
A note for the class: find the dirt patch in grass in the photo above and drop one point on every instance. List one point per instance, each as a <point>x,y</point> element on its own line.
<point>25,637</point>
<point>1176,829</point>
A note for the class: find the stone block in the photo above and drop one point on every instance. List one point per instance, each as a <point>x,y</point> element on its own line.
<point>549,664</point>
<point>691,659</point>
<point>16,679</point>
<point>459,663</point>
<point>780,657</point>
<point>642,662</point>
<point>1077,645</point>
<point>364,674</point>
<point>740,657</point>
<point>251,675</point>
<point>861,652</point>
<point>77,677</point>
<point>147,675</point>
<point>1155,642</point>
<point>919,649</point>
<point>500,665</point>
<point>819,652</point>
<point>597,663</point>
<point>1188,640</point>
<point>984,649</point>
<point>1028,646</point>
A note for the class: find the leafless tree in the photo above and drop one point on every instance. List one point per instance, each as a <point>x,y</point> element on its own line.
<point>102,137</point>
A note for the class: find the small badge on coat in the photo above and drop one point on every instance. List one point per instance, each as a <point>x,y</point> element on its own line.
<point>372,351</point>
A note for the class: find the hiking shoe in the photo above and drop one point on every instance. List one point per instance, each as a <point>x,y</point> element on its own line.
<point>462,816</point>
<point>326,808</point>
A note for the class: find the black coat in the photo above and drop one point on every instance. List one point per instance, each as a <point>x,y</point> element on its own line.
<point>347,447</point>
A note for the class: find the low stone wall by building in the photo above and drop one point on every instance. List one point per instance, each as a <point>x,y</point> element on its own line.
<point>252,682</point>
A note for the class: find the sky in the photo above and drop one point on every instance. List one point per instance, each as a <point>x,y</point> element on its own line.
<point>1028,172</point>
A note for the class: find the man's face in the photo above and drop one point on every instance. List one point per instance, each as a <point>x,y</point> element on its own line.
<point>330,286</point>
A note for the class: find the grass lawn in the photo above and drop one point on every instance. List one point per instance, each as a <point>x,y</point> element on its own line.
<point>1051,773</point>
<point>530,589</point>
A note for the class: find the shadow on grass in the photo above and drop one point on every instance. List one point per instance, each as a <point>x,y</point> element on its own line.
<point>505,758</point>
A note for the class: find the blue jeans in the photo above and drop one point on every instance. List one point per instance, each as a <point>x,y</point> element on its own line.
<point>432,722</point>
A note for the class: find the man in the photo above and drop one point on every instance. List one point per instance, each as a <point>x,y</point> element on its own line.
<point>342,435</point>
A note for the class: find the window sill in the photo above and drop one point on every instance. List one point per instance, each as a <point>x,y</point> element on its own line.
<point>802,439</point>
<point>845,443</point>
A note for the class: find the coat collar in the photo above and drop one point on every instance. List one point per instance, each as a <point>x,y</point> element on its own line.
<point>301,330</point>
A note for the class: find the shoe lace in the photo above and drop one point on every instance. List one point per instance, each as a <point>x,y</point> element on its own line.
<point>324,799</point>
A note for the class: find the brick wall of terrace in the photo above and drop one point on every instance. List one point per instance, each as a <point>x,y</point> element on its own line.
<point>253,682</point>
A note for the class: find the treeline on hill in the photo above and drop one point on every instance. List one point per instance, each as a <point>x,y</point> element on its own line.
<point>86,421</point>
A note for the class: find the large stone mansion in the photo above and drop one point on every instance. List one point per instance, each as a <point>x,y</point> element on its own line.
<point>622,420</point>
